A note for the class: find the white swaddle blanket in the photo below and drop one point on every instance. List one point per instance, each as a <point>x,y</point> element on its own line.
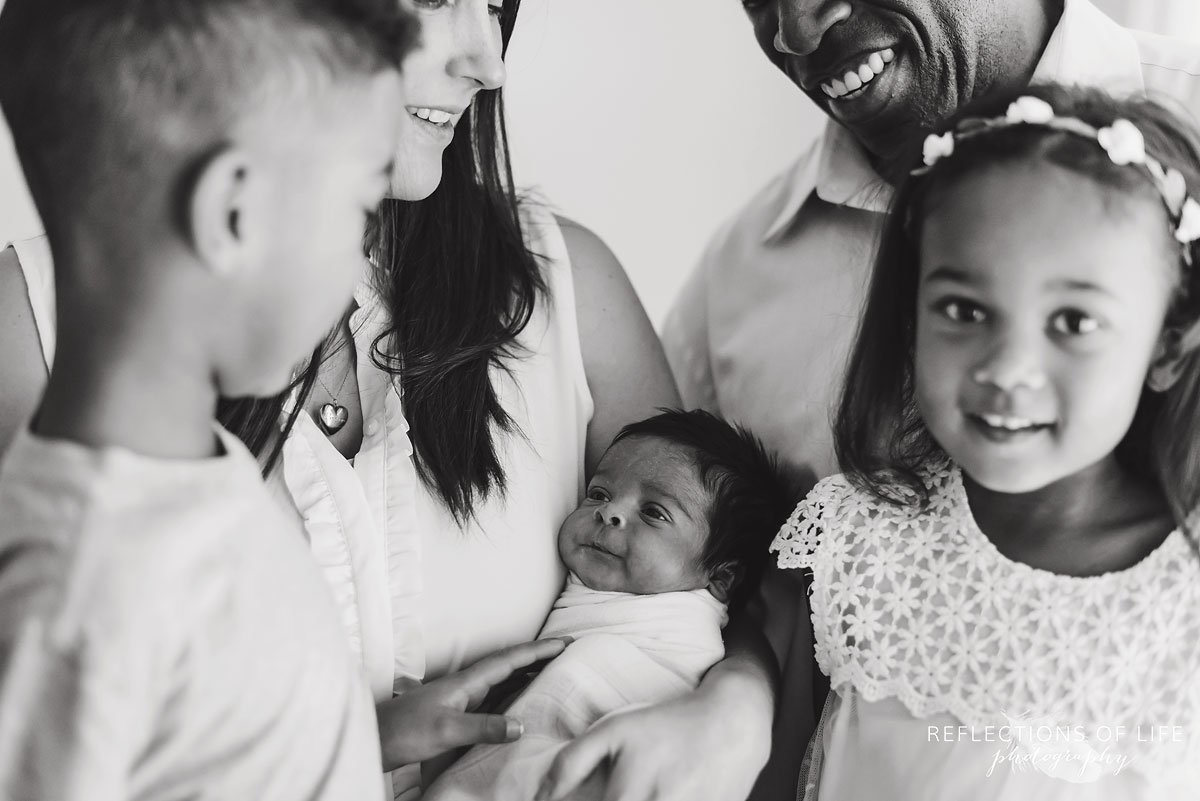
<point>629,650</point>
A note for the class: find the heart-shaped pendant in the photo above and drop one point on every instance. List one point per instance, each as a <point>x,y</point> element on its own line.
<point>333,417</point>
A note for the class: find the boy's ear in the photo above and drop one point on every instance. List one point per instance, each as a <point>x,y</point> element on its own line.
<point>724,580</point>
<point>216,210</point>
<point>1174,347</point>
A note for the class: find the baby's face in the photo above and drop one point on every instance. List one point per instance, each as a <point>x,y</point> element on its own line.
<point>643,523</point>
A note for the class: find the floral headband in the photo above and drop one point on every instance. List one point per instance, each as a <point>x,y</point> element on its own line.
<point>1122,141</point>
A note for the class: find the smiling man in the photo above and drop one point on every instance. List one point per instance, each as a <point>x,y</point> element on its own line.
<point>762,330</point>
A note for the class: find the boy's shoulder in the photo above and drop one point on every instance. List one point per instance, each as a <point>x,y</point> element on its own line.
<point>103,543</point>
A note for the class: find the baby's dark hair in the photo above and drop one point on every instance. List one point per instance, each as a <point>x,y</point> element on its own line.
<point>880,438</point>
<point>751,496</point>
<point>108,97</point>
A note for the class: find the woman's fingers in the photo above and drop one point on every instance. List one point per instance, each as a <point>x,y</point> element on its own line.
<point>574,763</point>
<point>475,681</point>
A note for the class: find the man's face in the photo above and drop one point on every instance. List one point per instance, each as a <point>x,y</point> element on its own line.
<point>888,69</point>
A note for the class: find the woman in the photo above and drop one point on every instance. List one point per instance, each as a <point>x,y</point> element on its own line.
<point>519,349</point>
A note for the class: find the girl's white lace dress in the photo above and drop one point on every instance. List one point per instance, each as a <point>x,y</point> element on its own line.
<point>961,674</point>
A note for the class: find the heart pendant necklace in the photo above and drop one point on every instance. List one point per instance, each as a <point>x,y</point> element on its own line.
<point>333,415</point>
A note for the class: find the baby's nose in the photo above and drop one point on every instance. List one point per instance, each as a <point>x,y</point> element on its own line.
<point>610,516</point>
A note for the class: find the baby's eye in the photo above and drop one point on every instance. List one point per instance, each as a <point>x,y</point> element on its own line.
<point>597,494</point>
<point>656,512</point>
<point>1073,322</point>
<point>961,310</point>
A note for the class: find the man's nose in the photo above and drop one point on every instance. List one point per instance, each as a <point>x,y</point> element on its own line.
<point>804,23</point>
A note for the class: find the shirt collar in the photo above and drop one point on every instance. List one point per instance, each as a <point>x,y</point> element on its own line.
<point>1086,47</point>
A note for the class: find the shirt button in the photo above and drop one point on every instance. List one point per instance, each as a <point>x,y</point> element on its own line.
<point>372,428</point>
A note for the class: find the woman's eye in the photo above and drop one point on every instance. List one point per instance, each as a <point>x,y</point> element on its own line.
<point>962,311</point>
<point>1074,322</point>
<point>430,3</point>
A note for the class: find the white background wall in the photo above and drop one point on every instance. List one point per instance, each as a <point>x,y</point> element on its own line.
<point>650,121</point>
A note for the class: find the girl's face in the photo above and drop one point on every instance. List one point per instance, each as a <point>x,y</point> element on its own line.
<point>459,56</point>
<point>1039,313</point>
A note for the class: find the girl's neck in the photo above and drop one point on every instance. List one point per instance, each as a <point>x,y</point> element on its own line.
<point>1098,520</point>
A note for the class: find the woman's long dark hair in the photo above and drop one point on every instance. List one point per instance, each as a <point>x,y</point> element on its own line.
<point>460,286</point>
<point>881,441</point>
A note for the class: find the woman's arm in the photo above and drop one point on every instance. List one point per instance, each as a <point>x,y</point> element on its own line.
<point>21,364</point>
<point>712,743</point>
<point>626,369</point>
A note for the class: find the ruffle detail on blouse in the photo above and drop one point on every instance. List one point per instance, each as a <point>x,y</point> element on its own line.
<point>925,609</point>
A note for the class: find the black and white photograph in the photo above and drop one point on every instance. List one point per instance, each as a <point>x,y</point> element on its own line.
<point>599,400</point>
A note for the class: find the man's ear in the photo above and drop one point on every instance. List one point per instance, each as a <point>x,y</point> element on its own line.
<point>724,580</point>
<point>1175,345</point>
<point>216,209</point>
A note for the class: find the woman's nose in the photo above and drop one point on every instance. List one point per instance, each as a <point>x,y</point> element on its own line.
<point>804,23</point>
<point>479,56</point>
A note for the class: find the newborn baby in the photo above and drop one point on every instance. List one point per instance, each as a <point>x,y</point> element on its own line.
<point>674,526</point>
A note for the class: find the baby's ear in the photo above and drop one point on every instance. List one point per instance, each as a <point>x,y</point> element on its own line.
<point>1175,345</point>
<point>215,209</point>
<point>723,581</point>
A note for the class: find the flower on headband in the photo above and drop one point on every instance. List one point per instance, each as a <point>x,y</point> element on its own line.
<point>937,148</point>
<point>1188,230</point>
<point>1123,142</point>
<point>1032,110</point>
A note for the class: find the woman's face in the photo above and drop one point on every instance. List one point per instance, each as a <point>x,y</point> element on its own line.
<point>459,56</point>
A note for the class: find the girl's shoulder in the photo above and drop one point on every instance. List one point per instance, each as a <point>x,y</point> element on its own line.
<point>844,511</point>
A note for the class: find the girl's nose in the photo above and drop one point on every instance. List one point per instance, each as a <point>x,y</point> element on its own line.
<point>479,57</point>
<point>1012,363</point>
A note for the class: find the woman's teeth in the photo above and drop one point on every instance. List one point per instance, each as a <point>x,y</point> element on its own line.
<point>860,76</point>
<point>436,116</point>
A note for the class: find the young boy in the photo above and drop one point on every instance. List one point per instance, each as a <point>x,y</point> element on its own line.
<point>204,169</point>
<point>673,529</point>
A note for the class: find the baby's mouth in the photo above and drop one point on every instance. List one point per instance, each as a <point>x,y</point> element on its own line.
<point>600,549</point>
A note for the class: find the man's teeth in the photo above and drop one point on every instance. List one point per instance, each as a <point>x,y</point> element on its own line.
<point>1007,423</point>
<point>436,116</point>
<point>860,76</point>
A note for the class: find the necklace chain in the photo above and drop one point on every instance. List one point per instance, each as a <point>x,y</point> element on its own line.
<point>345,377</point>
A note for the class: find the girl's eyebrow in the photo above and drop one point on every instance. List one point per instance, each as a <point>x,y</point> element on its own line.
<point>945,273</point>
<point>1075,285</point>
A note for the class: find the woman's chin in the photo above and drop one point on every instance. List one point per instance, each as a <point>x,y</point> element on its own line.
<point>413,185</point>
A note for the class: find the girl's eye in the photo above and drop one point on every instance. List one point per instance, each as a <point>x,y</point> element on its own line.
<point>961,310</point>
<point>1073,322</point>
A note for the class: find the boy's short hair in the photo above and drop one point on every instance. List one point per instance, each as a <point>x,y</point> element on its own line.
<point>751,495</point>
<point>117,94</point>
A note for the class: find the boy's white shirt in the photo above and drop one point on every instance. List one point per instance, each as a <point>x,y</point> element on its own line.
<point>164,634</point>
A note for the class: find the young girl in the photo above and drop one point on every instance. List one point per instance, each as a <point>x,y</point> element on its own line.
<point>1005,584</point>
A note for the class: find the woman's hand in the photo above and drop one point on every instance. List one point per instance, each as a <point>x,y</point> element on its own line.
<point>438,716</point>
<point>706,746</point>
